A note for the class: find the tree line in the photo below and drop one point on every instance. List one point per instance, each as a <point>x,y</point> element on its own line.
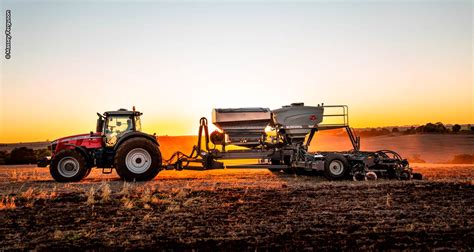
<point>429,128</point>
<point>23,155</point>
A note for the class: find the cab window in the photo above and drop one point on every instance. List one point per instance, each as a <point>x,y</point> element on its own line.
<point>118,124</point>
<point>115,126</point>
<point>138,123</point>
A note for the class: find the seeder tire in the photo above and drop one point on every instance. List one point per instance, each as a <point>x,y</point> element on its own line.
<point>336,167</point>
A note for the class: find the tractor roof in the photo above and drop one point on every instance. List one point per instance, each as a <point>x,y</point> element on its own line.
<point>122,112</point>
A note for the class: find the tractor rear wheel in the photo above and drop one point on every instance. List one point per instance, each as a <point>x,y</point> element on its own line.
<point>138,159</point>
<point>336,166</point>
<point>68,166</point>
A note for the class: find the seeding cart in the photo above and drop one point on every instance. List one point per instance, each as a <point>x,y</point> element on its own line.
<point>278,139</point>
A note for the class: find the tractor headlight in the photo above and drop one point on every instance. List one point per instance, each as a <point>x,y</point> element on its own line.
<point>52,145</point>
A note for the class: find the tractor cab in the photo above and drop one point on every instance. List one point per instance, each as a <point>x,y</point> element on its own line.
<point>114,124</point>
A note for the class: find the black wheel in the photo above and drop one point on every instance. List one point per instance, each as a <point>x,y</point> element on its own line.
<point>287,161</point>
<point>417,176</point>
<point>68,166</point>
<point>288,171</point>
<point>88,172</point>
<point>336,167</point>
<point>138,159</point>
<point>275,162</point>
<point>405,175</point>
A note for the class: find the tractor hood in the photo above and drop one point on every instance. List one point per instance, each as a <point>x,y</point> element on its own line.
<point>77,137</point>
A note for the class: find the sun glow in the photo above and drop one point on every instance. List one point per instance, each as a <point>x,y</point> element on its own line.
<point>231,56</point>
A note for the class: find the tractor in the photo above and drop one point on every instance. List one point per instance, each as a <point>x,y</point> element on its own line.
<point>117,143</point>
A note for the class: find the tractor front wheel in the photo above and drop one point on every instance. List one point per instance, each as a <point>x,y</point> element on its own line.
<point>68,166</point>
<point>138,159</point>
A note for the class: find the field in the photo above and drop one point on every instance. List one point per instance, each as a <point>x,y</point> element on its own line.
<point>238,210</point>
<point>432,148</point>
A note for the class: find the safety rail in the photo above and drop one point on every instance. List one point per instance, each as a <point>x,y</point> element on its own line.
<point>341,116</point>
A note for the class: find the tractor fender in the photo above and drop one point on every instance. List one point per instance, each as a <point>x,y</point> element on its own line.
<point>134,135</point>
<point>85,154</point>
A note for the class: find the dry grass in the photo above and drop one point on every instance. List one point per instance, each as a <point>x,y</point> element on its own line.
<point>389,200</point>
<point>28,194</point>
<point>214,209</point>
<point>126,187</point>
<point>90,196</point>
<point>58,235</point>
<point>106,192</point>
<point>29,197</point>
<point>7,202</point>
<point>146,195</point>
<point>127,203</point>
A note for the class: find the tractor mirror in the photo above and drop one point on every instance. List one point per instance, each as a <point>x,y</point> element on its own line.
<point>100,124</point>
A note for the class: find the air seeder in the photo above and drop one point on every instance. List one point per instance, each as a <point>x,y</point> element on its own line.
<point>278,139</point>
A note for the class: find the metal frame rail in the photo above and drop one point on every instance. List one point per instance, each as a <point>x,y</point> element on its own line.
<point>343,114</point>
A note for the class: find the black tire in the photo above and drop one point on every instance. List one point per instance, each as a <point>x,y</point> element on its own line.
<point>417,176</point>
<point>288,171</point>
<point>336,167</point>
<point>144,160</point>
<point>88,172</point>
<point>277,171</point>
<point>275,162</point>
<point>68,166</point>
<point>405,175</point>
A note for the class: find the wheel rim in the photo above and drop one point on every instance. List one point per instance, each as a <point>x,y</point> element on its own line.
<point>405,175</point>
<point>371,176</point>
<point>358,176</point>
<point>68,167</point>
<point>138,160</point>
<point>336,167</point>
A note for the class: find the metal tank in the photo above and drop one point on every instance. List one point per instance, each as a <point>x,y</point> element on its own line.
<point>296,120</point>
<point>243,126</point>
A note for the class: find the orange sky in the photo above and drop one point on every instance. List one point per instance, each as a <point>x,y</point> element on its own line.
<point>175,62</point>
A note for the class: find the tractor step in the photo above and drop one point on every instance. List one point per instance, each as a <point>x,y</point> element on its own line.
<point>107,170</point>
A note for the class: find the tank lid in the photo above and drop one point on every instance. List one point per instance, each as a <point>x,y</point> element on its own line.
<point>240,110</point>
<point>297,104</point>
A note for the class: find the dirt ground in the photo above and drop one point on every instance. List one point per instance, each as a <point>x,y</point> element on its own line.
<point>237,210</point>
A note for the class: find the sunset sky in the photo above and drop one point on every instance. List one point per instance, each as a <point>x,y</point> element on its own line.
<point>392,62</point>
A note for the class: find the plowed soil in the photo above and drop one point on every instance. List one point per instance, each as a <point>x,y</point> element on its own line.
<point>236,210</point>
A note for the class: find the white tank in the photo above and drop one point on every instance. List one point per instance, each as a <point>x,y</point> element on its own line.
<point>297,120</point>
<point>243,126</point>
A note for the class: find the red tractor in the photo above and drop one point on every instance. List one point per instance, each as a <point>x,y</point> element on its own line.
<point>117,143</point>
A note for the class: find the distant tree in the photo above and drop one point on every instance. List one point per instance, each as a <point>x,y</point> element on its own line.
<point>395,130</point>
<point>384,131</point>
<point>440,128</point>
<point>472,128</point>
<point>4,156</point>
<point>429,128</point>
<point>432,128</point>
<point>22,155</point>
<point>411,130</point>
<point>420,129</point>
<point>456,128</point>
